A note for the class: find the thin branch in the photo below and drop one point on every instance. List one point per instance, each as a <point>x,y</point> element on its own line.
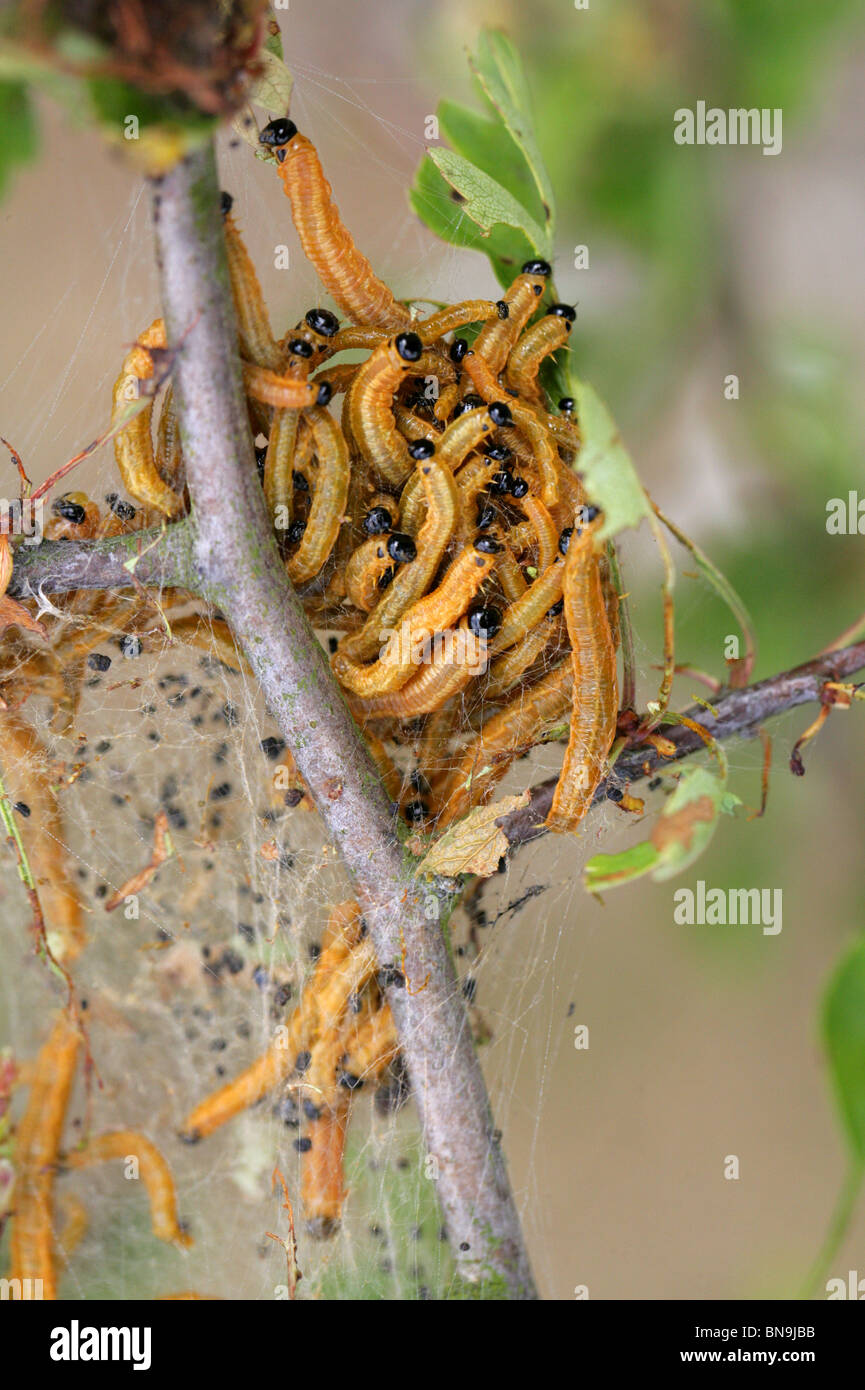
<point>160,558</point>
<point>738,714</point>
<point>239,569</point>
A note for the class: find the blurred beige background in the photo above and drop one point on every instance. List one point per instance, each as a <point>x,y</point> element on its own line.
<point>703,1041</point>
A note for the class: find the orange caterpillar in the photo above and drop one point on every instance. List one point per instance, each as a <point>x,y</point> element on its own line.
<point>342,268</point>
<point>154,1171</point>
<point>593,660</point>
<point>343,935</point>
<point>37,1146</point>
<point>514,730</point>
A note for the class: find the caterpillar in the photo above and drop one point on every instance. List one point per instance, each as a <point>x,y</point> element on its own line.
<point>133,445</point>
<point>496,339</point>
<point>514,730</point>
<point>434,613</point>
<point>329,497</point>
<point>593,663</point>
<point>343,270</point>
<point>154,1171</point>
<point>37,1145</point>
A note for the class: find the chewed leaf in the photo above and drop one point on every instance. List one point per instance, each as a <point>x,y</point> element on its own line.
<point>605,871</point>
<point>844,1036</point>
<point>679,836</point>
<point>441,208</point>
<point>610,477</point>
<point>488,145</point>
<point>485,200</point>
<point>273,88</point>
<point>500,74</point>
<point>475,844</point>
<point>273,39</point>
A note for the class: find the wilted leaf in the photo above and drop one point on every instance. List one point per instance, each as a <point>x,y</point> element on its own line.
<point>844,1035</point>
<point>273,88</point>
<point>679,836</point>
<point>475,844</point>
<point>12,614</point>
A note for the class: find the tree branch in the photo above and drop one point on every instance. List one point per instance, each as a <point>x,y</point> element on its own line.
<point>738,714</point>
<point>161,558</point>
<point>239,569</point>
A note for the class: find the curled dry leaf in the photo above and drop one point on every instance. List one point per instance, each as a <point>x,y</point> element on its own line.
<point>476,844</point>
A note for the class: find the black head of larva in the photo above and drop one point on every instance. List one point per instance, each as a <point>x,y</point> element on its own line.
<point>325,391</point>
<point>486,515</point>
<point>488,545</point>
<point>500,413</point>
<point>518,488</point>
<point>409,346</point>
<point>498,452</point>
<point>502,309</point>
<point>322,321</point>
<point>502,482</point>
<point>421,449</point>
<point>458,349</point>
<point>537,268</point>
<point>401,548</point>
<point>277,133</point>
<point>68,510</point>
<point>226,202</point>
<point>469,402</point>
<point>565,540</point>
<point>295,532</point>
<point>484,620</point>
<point>299,347</point>
<point>589,513</point>
<point>415,812</point>
<point>377,521</point>
<point>563,311</point>
<point>556,609</point>
<point>566,405</point>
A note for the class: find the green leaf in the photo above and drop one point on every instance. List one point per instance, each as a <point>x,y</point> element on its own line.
<point>605,871</point>
<point>19,140</point>
<point>488,145</point>
<point>680,835</point>
<point>486,201</point>
<point>844,1037</point>
<point>432,198</point>
<point>499,72</point>
<point>605,464</point>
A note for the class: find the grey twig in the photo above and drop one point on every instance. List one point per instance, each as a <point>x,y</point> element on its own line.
<point>738,714</point>
<point>238,568</point>
<point>160,558</point>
